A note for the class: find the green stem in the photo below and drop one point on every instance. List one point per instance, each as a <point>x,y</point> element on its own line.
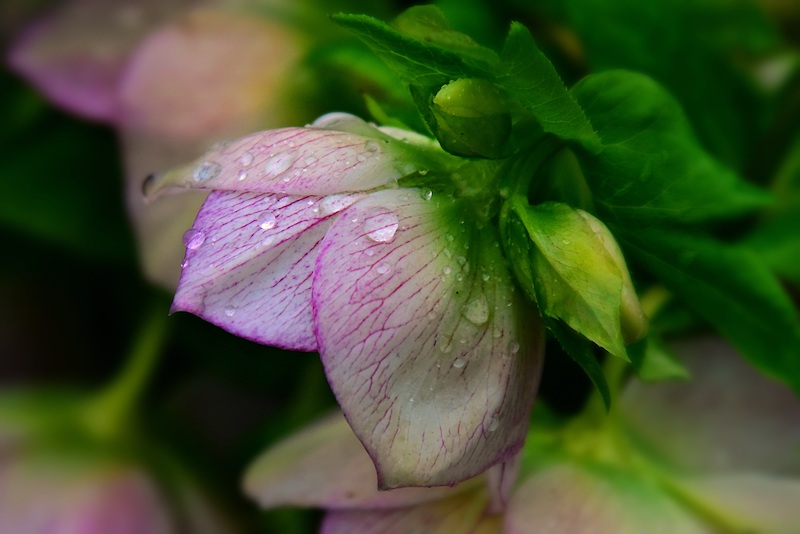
<point>111,410</point>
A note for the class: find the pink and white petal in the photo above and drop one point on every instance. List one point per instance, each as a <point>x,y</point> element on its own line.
<point>728,416</point>
<point>326,466</point>
<point>749,502</point>
<point>568,499</point>
<point>76,55</point>
<point>296,161</point>
<point>431,355</point>
<point>464,512</point>
<point>249,263</point>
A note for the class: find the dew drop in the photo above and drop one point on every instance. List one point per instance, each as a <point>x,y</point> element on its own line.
<point>382,226</point>
<point>371,146</point>
<point>335,203</point>
<point>423,172</point>
<point>426,194</point>
<point>280,163</point>
<point>477,310</point>
<point>361,157</point>
<point>565,241</point>
<point>310,160</point>
<point>383,268</point>
<point>494,423</point>
<point>268,223</point>
<point>242,175</point>
<point>450,238</point>
<point>230,311</point>
<point>447,270</point>
<point>369,252</point>
<point>193,239</point>
<point>513,347</point>
<point>207,170</point>
<point>268,241</point>
<point>184,263</point>
<point>486,277</point>
<point>247,159</point>
<point>458,363</point>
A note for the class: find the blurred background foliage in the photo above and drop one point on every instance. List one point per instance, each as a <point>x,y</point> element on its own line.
<point>72,296</point>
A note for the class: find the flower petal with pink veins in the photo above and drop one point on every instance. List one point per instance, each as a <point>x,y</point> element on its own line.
<point>249,262</point>
<point>464,512</point>
<point>298,161</point>
<point>738,419</point>
<point>433,358</point>
<point>325,465</point>
<point>568,499</point>
<point>76,56</point>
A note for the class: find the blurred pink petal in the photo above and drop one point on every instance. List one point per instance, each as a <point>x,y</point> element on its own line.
<point>325,465</point>
<point>727,417</point>
<point>461,513</point>
<point>565,498</point>
<point>77,55</point>
<point>51,497</point>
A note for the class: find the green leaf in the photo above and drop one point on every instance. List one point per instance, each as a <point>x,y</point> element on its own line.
<point>656,362</point>
<point>576,278</point>
<point>695,49</point>
<point>777,243</point>
<point>415,61</point>
<point>652,168</point>
<point>527,74</point>
<point>580,349</point>
<point>731,289</point>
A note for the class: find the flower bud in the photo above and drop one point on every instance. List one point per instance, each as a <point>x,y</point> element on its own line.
<point>472,118</point>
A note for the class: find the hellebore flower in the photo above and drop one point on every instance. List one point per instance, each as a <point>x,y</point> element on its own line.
<point>152,70</point>
<point>716,454</point>
<point>331,238</point>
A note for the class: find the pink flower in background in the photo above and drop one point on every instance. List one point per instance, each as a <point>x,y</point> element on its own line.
<point>57,477</point>
<point>716,454</point>
<point>173,78</point>
<point>308,242</point>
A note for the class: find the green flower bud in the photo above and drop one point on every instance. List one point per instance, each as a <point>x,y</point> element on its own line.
<point>472,118</point>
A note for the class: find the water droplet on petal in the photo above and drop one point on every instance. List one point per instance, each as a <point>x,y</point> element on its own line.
<point>477,310</point>
<point>268,223</point>
<point>242,175</point>
<point>268,241</point>
<point>361,157</point>
<point>184,263</point>
<point>493,424</point>
<point>193,239</point>
<point>230,311</point>
<point>382,226</point>
<point>458,363</point>
<point>335,203</point>
<point>486,277</point>
<point>383,268</point>
<point>513,347</point>
<point>310,160</point>
<point>247,159</point>
<point>371,146</point>
<point>426,194</point>
<point>423,172</point>
<point>447,270</point>
<point>369,252</point>
<point>280,163</point>
<point>207,170</point>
